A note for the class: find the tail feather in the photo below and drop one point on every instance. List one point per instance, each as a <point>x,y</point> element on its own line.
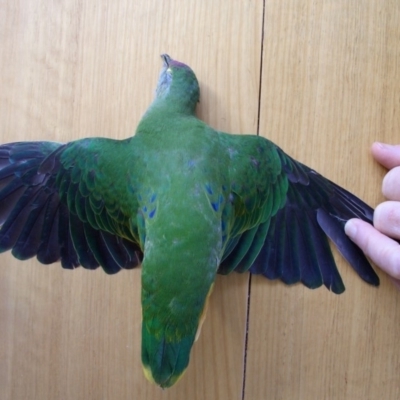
<point>164,362</point>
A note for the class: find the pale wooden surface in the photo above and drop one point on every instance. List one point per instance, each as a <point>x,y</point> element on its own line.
<point>330,86</point>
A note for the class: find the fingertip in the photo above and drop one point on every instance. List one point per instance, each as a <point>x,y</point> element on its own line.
<point>387,218</point>
<point>390,184</point>
<point>382,250</point>
<point>377,148</point>
<point>350,228</point>
<point>361,232</point>
<point>378,145</point>
<point>386,154</point>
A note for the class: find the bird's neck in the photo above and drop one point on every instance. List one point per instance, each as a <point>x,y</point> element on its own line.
<point>173,103</point>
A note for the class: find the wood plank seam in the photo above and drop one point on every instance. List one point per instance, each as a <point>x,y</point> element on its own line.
<point>258,133</point>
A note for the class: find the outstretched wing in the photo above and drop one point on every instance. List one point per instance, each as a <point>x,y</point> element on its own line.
<point>69,202</point>
<point>289,240</point>
<point>257,186</point>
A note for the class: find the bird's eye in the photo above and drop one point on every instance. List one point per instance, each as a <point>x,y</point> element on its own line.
<point>169,71</point>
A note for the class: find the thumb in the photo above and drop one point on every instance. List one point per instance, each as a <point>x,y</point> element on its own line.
<point>386,154</point>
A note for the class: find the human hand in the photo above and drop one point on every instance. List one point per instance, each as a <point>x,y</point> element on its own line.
<point>374,240</point>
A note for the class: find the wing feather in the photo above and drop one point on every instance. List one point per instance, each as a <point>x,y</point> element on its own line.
<point>297,209</point>
<point>54,201</point>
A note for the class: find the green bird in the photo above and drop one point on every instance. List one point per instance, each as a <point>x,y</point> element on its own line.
<point>186,202</point>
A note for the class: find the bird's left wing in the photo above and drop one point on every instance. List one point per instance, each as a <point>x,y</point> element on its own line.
<point>258,186</point>
<point>291,212</point>
<point>69,202</point>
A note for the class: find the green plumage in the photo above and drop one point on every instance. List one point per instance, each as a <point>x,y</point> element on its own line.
<point>184,200</point>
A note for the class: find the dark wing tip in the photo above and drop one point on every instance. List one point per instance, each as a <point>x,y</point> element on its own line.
<point>296,248</point>
<point>37,222</point>
<point>334,229</point>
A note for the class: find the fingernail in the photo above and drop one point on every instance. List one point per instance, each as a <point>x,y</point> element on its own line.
<point>350,228</point>
<point>384,145</point>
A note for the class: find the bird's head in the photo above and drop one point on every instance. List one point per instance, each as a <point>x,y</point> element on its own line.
<point>178,84</point>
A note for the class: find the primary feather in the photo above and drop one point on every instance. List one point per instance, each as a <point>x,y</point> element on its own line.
<point>184,200</point>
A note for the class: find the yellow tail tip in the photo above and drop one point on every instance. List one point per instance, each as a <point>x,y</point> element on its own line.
<point>172,380</point>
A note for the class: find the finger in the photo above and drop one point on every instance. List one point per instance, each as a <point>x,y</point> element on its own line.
<point>382,250</point>
<point>396,282</point>
<point>387,218</point>
<point>391,184</point>
<point>386,154</point>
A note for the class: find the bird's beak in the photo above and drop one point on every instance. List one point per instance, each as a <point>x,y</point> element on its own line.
<point>167,59</point>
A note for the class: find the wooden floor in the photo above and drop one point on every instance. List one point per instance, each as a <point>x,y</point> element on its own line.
<point>321,78</point>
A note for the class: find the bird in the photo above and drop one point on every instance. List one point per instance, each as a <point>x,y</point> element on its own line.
<point>183,201</point>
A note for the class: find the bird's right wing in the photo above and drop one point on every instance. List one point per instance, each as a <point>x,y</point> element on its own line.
<point>69,202</point>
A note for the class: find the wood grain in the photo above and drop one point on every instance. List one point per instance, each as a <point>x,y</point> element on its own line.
<point>72,69</point>
<point>330,85</point>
